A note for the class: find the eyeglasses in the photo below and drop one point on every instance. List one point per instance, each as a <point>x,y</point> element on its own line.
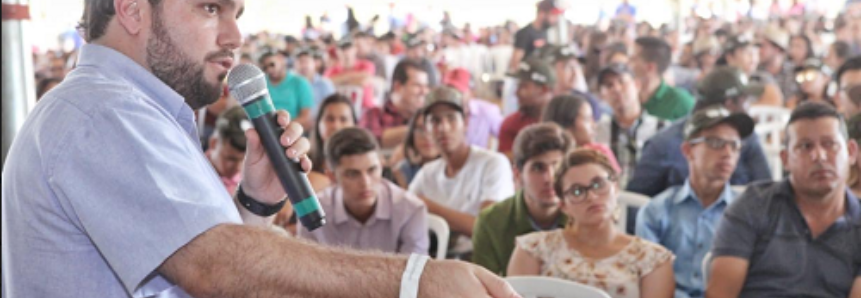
<point>717,143</point>
<point>268,65</point>
<point>577,193</point>
<point>805,76</point>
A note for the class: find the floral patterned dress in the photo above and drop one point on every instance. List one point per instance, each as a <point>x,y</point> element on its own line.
<point>619,275</point>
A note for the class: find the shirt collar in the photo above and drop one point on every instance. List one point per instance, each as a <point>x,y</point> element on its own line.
<point>853,205</point>
<point>521,218</point>
<point>659,93</point>
<point>382,210</point>
<point>119,66</point>
<point>686,193</point>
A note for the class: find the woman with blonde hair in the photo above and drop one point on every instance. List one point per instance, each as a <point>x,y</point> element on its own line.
<point>590,250</point>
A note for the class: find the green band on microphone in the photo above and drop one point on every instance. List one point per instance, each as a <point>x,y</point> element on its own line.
<point>306,206</point>
<point>259,108</point>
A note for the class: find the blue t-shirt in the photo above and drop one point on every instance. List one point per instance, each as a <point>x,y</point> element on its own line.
<point>293,94</point>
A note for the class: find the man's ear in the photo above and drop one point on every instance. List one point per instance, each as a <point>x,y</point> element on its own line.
<point>131,14</point>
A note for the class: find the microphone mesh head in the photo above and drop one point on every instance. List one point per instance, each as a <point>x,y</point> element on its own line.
<point>245,81</point>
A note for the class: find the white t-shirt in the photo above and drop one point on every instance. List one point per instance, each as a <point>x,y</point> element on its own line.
<point>486,176</point>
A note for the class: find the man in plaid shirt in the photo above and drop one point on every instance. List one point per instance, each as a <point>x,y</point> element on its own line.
<point>389,122</point>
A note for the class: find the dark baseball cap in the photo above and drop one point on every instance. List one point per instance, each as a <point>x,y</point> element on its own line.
<point>443,95</point>
<point>612,69</point>
<point>561,53</point>
<point>550,6</point>
<point>736,42</point>
<point>716,114</point>
<point>414,41</point>
<point>726,82</point>
<point>813,64</point>
<point>536,70</point>
<point>345,42</point>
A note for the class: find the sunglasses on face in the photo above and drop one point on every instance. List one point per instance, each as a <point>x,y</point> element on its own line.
<point>716,143</point>
<point>578,193</point>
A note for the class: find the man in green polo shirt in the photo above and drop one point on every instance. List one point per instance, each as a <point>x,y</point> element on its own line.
<point>538,150</point>
<point>652,57</point>
<point>289,92</point>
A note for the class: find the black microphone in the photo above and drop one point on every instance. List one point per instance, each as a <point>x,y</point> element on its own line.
<point>247,84</point>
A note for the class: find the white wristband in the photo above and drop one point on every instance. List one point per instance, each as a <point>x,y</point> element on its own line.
<point>412,274</point>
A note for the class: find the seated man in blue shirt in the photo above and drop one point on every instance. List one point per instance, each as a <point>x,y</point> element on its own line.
<point>684,218</point>
<point>799,237</point>
<point>662,164</point>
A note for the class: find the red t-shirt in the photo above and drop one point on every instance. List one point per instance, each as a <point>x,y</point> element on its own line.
<point>510,127</point>
<point>362,66</point>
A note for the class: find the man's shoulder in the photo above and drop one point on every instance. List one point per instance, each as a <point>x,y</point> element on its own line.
<point>758,197</point>
<point>484,155</point>
<point>400,197</point>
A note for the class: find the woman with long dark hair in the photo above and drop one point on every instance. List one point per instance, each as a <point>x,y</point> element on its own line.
<point>418,149</point>
<point>336,113</point>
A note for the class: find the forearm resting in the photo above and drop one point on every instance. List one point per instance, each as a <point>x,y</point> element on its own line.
<point>244,261</point>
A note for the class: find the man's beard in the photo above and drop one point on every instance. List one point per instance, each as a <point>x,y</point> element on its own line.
<point>179,72</point>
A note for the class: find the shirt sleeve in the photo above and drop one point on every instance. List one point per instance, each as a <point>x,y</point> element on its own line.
<point>736,234</point>
<point>414,235</point>
<point>483,251</point>
<point>371,122</point>
<point>497,180</point>
<point>650,174</point>
<point>648,224</point>
<point>145,195</point>
<point>506,137</point>
<point>494,119</point>
<point>684,105</point>
<point>521,40</point>
<point>754,159</point>
<point>305,94</point>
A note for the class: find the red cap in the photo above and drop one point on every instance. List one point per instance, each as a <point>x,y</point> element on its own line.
<point>458,78</point>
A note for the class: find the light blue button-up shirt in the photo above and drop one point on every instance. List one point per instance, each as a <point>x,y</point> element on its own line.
<point>677,220</point>
<point>104,182</point>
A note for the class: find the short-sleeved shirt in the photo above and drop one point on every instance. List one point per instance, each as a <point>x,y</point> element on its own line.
<point>486,176</point>
<point>496,228</point>
<point>485,120</point>
<point>360,66</point>
<point>669,103</point>
<point>765,227</point>
<point>104,182</point>
<point>398,225</point>
<point>619,275</point>
<point>662,164</point>
<point>378,119</point>
<point>529,39</point>
<point>293,94</point>
<point>677,220</point>
<point>511,126</point>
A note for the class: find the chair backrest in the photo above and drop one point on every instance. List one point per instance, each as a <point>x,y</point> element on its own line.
<point>771,123</point>
<point>707,267</point>
<point>355,94</point>
<point>629,199</point>
<point>550,287</point>
<point>440,228</point>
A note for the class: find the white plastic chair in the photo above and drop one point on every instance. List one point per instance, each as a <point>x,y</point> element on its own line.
<point>550,287</point>
<point>355,94</point>
<point>707,267</point>
<point>770,125</point>
<point>440,228</point>
<point>629,199</point>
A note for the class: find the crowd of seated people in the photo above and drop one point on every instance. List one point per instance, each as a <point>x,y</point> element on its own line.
<point>412,124</point>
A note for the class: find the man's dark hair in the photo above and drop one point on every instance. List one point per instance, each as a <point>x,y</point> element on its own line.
<point>813,111</point>
<point>842,49</point>
<point>657,51</point>
<point>401,73</point>
<point>538,139</point>
<point>267,55</point>
<point>349,141</point>
<point>228,128</point>
<point>97,15</point>
<point>852,64</point>
<point>564,110</point>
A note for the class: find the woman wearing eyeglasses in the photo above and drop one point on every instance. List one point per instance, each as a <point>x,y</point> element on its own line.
<point>590,249</point>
